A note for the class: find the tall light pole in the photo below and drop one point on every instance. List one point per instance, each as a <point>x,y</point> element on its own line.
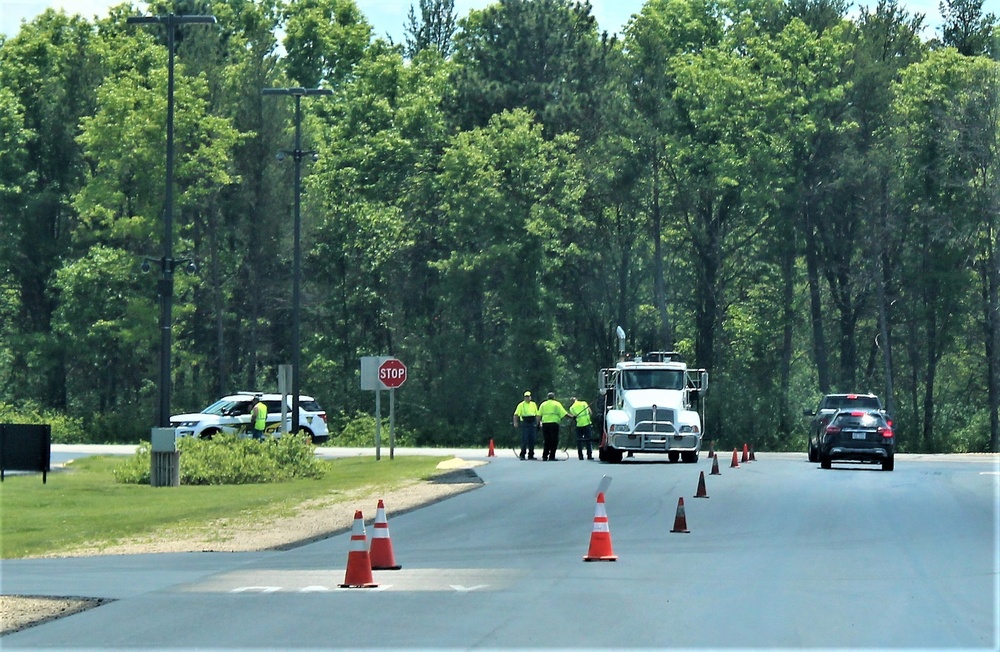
<point>165,286</point>
<point>297,155</point>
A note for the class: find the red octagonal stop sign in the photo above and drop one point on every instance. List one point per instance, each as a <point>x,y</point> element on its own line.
<point>392,373</point>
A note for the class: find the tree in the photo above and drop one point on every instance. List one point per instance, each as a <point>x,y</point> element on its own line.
<point>51,71</point>
<point>541,55</point>
<point>434,29</point>
<point>966,28</point>
<point>324,39</point>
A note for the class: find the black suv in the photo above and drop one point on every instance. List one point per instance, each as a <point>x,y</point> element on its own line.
<point>859,436</point>
<point>828,407</point>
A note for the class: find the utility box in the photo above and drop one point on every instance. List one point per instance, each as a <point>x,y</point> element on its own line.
<point>165,459</point>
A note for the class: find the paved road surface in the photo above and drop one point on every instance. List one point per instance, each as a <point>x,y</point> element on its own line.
<point>780,555</point>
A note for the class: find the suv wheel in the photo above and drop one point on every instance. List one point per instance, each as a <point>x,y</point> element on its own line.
<point>888,463</point>
<point>208,433</point>
<point>813,454</point>
<point>824,462</point>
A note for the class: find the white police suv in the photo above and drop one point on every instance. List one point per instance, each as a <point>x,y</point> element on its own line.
<point>231,414</point>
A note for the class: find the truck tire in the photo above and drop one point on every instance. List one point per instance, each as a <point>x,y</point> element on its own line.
<point>689,457</point>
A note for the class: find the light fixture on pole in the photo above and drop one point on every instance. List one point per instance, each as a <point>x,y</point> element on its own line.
<point>297,154</point>
<point>165,286</point>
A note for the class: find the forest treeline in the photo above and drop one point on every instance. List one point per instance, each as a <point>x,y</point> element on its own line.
<point>798,198</point>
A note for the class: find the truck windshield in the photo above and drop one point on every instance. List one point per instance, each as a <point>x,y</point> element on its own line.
<point>652,379</point>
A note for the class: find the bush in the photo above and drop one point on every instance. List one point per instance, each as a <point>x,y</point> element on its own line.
<point>65,430</point>
<point>226,459</point>
<point>359,431</point>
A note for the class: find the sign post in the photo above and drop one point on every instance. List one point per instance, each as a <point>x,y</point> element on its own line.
<point>379,373</point>
<point>392,374</point>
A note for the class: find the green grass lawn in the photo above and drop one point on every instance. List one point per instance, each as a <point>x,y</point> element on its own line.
<point>85,505</point>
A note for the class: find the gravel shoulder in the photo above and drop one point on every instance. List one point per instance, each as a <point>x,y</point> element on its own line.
<point>312,520</point>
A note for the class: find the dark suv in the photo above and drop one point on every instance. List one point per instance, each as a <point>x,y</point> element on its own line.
<point>828,406</point>
<point>858,436</point>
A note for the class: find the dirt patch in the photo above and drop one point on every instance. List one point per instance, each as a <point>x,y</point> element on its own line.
<point>312,520</point>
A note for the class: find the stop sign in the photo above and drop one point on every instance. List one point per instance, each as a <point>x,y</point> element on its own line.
<point>392,373</point>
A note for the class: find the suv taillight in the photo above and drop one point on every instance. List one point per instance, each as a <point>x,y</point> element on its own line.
<point>322,415</point>
<point>885,432</point>
<point>831,430</point>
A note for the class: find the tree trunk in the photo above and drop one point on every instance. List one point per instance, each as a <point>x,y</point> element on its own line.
<point>816,305</point>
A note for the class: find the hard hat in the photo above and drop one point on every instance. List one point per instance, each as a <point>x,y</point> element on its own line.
<point>527,393</point>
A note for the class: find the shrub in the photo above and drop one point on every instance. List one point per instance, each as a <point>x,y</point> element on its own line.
<point>226,459</point>
<point>359,431</point>
<point>65,429</point>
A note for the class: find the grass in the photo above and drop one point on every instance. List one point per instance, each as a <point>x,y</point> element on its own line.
<point>85,505</point>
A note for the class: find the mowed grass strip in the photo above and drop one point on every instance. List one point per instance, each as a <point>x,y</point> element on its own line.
<point>85,505</point>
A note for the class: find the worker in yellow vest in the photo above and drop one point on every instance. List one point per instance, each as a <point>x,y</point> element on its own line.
<point>580,412</point>
<point>551,412</point>
<point>258,418</point>
<point>526,419</point>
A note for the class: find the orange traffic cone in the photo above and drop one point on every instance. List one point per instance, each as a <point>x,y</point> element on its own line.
<point>715,466</point>
<point>701,493</point>
<point>736,462</point>
<point>359,564</point>
<point>600,537</point>
<point>746,454</point>
<point>711,449</point>
<point>680,520</point>
<point>492,452</point>
<point>752,457</point>
<point>381,545</point>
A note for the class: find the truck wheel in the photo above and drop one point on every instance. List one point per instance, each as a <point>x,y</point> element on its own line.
<point>673,456</point>
<point>689,457</point>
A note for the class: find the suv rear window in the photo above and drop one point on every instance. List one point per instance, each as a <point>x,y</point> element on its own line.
<point>310,406</point>
<point>859,420</point>
<point>859,402</point>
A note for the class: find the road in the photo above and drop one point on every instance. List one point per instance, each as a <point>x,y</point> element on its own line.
<point>781,554</point>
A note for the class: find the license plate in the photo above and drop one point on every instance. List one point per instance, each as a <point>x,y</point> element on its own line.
<point>860,435</point>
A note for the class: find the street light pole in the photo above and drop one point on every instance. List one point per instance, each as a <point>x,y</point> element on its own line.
<point>165,286</point>
<point>297,155</point>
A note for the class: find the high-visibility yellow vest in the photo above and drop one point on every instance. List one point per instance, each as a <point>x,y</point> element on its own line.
<point>526,410</point>
<point>581,412</point>
<point>259,416</point>
<point>552,411</point>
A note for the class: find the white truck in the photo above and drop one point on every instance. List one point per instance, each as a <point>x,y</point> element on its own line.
<point>651,404</point>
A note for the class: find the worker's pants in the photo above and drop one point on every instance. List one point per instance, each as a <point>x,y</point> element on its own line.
<point>583,437</point>
<point>528,437</point>
<point>550,437</point>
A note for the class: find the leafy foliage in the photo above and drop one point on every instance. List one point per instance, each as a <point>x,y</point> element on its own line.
<point>226,459</point>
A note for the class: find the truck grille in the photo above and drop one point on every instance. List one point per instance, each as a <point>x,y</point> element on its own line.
<point>663,415</point>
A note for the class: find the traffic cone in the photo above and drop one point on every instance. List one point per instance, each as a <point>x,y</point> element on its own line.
<point>680,520</point>
<point>711,449</point>
<point>746,454</point>
<point>736,462</point>
<point>600,537</point>
<point>381,545</point>
<point>701,493</point>
<point>359,563</point>
<point>492,452</point>
<point>752,457</point>
<point>715,466</point>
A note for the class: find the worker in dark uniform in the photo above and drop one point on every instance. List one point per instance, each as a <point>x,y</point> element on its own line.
<point>580,412</point>
<point>551,413</point>
<point>526,419</point>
